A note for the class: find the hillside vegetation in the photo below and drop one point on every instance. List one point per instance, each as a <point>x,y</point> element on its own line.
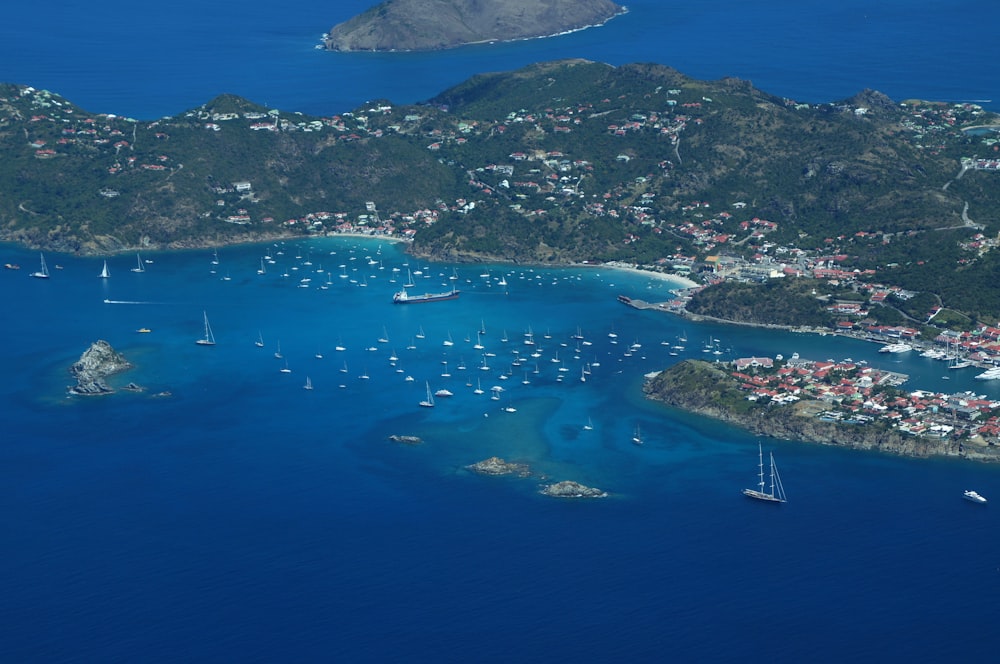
<point>556,162</point>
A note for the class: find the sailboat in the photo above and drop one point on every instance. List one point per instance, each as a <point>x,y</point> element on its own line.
<point>777,492</point>
<point>139,267</point>
<point>43,271</point>
<point>105,272</point>
<point>589,426</point>
<point>428,402</point>
<point>637,436</point>
<point>209,339</point>
<point>308,385</point>
<point>260,340</point>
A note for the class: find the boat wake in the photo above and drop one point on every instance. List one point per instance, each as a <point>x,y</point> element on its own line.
<point>107,301</point>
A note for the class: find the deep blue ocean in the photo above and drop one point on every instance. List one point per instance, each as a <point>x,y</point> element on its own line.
<point>241,517</point>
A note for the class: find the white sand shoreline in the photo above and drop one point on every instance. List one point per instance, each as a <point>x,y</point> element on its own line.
<point>684,282</point>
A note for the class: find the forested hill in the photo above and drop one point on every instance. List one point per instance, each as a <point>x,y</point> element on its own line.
<point>562,161</point>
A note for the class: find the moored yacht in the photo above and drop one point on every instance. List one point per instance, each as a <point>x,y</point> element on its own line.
<point>973,497</point>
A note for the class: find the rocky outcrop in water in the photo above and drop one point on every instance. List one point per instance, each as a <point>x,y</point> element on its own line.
<point>97,363</point>
<point>406,440</point>
<point>570,489</point>
<point>497,466</point>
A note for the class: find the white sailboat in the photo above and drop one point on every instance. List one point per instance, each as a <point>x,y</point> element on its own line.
<point>43,270</point>
<point>260,340</point>
<point>777,492</point>
<point>589,426</point>
<point>428,402</point>
<point>105,272</point>
<point>209,338</point>
<point>139,267</point>
<point>308,385</point>
<point>637,436</point>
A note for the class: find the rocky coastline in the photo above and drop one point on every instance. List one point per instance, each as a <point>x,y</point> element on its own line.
<point>704,389</point>
<point>96,363</point>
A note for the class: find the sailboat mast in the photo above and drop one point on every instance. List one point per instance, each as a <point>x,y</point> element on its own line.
<point>760,456</point>
<point>772,473</point>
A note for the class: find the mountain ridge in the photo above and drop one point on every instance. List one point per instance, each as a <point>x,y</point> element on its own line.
<point>557,162</point>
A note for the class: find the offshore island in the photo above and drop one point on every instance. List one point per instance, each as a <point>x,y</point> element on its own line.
<point>425,25</point>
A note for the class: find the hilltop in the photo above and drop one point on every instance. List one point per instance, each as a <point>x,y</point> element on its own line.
<point>424,25</point>
<point>553,163</point>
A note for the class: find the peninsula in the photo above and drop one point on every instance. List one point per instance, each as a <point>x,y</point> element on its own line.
<point>427,25</point>
<point>846,403</point>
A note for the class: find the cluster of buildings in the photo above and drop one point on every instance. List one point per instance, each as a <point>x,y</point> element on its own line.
<point>856,393</point>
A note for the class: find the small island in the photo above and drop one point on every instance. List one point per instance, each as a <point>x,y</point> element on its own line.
<point>428,25</point>
<point>98,362</point>
<point>497,466</point>
<point>406,440</point>
<point>571,489</point>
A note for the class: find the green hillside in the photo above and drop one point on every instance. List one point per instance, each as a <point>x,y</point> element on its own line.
<point>562,161</point>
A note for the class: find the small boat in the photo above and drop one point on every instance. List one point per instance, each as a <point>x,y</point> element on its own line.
<point>144,330</point>
<point>637,436</point>
<point>444,393</point>
<point>428,402</point>
<point>260,340</point>
<point>285,368</point>
<point>43,270</point>
<point>589,426</point>
<point>308,385</point>
<point>139,267</point>
<point>105,273</point>
<point>777,492</point>
<point>209,338</point>
<point>277,353</point>
<point>973,497</point>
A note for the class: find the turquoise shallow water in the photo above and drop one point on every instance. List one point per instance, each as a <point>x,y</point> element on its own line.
<point>243,516</point>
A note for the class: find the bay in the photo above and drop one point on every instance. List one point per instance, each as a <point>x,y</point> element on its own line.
<point>241,517</point>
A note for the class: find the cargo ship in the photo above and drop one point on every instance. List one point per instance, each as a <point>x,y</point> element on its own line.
<point>403,297</point>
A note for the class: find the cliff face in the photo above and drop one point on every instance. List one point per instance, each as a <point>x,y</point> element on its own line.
<point>707,389</point>
<point>425,25</point>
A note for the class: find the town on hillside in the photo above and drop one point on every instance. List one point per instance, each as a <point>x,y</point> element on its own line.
<point>857,393</point>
